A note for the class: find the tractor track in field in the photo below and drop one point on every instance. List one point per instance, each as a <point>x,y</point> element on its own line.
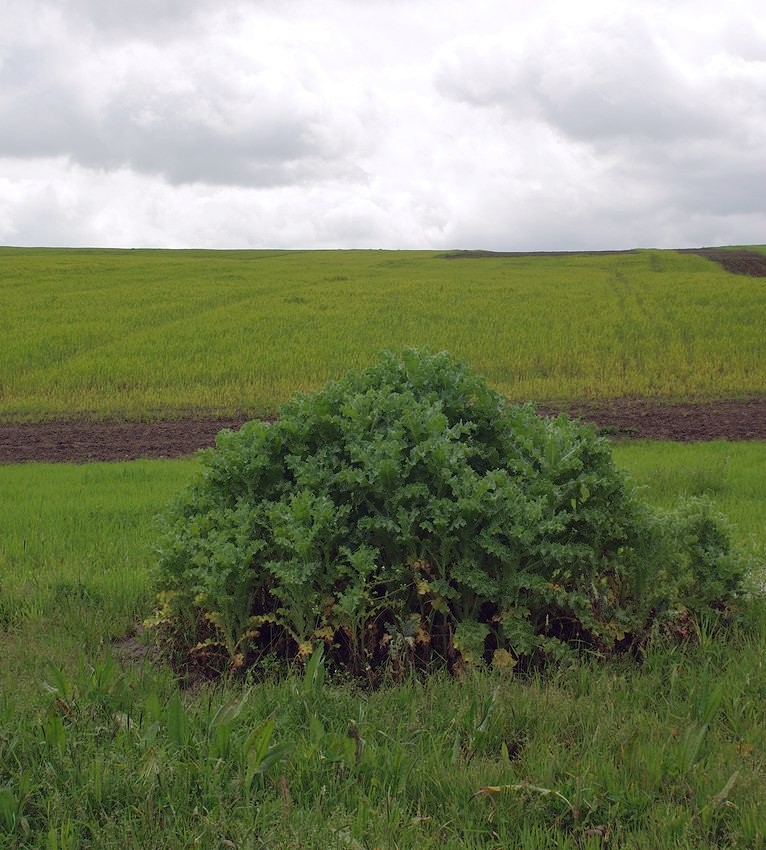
<point>79,442</point>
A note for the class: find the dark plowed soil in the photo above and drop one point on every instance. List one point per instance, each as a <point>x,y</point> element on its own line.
<point>737,262</point>
<point>83,441</point>
<point>622,418</point>
<point>692,422</point>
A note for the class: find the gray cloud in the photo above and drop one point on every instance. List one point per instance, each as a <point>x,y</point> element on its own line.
<point>211,134</point>
<point>614,79</point>
<point>145,20</point>
<point>210,119</point>
<point>43,113</point>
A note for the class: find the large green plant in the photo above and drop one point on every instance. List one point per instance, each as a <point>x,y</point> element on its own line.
<point>408,512</point>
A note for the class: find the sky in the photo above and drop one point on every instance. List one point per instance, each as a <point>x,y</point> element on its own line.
<point>428,124</point>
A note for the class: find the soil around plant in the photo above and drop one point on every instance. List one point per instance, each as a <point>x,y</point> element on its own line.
<point>80,442</point>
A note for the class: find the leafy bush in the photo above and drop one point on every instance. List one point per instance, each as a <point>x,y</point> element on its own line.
<point>408,513</point>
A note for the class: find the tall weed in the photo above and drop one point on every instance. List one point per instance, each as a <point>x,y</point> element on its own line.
<point>409,513</point>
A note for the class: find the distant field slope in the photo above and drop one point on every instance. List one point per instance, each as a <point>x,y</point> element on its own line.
<point>110,334</point>
<point>741,260</point>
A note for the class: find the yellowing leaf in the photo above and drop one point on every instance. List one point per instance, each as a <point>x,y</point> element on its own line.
<point>215,618</point>
<point>207,644</point>
<point>422,635</point>
<point>502,659</point>
<point>261,620</point>
<point>488,790</point>
<point>305,649</point>
<point>439,603</point>
<point>326,633</point>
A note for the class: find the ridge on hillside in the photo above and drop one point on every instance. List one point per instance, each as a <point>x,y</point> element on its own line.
<point>733,260</point>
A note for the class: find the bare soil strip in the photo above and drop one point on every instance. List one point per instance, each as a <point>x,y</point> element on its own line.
<point>691,422</point>
<point>79,442</point>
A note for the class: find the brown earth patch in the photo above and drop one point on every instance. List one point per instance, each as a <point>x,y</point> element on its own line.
<point>735,261</point>
<point>134,648</point>
<point>79,442</point>
<point>688,422</point>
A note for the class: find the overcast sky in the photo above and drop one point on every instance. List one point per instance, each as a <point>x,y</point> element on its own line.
<point>499,124</point>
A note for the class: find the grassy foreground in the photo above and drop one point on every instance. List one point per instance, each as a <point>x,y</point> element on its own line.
<point>100,748</point>
<point>157,334</point>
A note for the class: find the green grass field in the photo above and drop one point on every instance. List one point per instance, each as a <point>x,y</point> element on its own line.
<point>98,750</point>
<point>157,334</point>
<point>102,747</point>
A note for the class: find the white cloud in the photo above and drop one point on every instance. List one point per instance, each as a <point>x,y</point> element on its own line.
<point>381,124</point>
<point>650,123</point>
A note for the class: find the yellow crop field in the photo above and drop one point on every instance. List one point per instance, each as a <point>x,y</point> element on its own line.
<point>140,334</point>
